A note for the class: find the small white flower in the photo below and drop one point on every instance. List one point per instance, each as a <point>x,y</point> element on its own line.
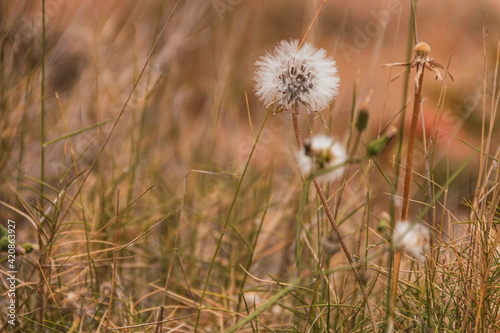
<point>322,153</point>
<point>412,238</point>
<point>290,76</point>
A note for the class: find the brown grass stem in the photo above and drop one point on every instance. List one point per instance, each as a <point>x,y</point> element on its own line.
<point>115,254</point>
<point>122,111</point>
<point>203,294</point>
<point>40,284</point>
<point>310,25</point>
<point>42,163</point>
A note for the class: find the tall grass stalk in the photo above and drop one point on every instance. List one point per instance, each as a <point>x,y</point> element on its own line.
<point>74,160</point>
<point>390,306</point>
<point>122,111</point>
<point>408,173</point>
<point>115,261</point>
<point>136,147</point>
<point>42,108</point>
<point>226,223</point>
<point>42,169</point>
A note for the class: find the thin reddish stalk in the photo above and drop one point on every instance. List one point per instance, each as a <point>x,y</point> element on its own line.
<point>407,182</point>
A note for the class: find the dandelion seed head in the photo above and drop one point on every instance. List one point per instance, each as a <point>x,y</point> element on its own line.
<point>289,77</point>
<point>412,238</point>
<point>322,153</point>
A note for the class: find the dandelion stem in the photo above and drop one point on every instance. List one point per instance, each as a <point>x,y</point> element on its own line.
<point>42,167</point>
<point>295,118</point>
<point>408,169</point>
<point>411,147</point>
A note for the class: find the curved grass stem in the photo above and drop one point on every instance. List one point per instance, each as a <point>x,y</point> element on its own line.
<point>298,136</point>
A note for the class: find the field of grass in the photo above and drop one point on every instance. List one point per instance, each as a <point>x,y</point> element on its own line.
<point>145,187</point>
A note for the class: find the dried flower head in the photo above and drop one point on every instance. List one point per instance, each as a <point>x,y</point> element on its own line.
<point>421,61</point>
<point>331,244</point>
<point>290,77</point>
<point>105,289</point>
<point>79,302</point>
<point>324,155</point>
<point>412,238</point>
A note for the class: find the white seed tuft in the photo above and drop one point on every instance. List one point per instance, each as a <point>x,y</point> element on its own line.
<point>412,238</point>
<point>322,154</point>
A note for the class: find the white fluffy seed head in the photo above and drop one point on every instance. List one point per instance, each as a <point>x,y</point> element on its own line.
<point>322,153</point>
<point>412,238</point>
<point>289,77</point>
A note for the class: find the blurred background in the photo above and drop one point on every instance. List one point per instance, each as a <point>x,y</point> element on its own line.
<point>191,106</point>
<point>189,110</point>
<point>193,91</point>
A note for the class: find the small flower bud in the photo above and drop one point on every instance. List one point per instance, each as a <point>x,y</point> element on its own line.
<point>29,247</point>
<point>383,222</point>
<point>362,120</point>
<point>382,225</point>
<point>4,244</point>
<point>376,146</point>
<point>422,49</point>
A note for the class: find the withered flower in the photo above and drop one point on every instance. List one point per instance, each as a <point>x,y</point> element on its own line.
<point>421,61</point>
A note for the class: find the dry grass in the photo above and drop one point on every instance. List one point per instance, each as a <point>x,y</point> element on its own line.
<point>168,201</point>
